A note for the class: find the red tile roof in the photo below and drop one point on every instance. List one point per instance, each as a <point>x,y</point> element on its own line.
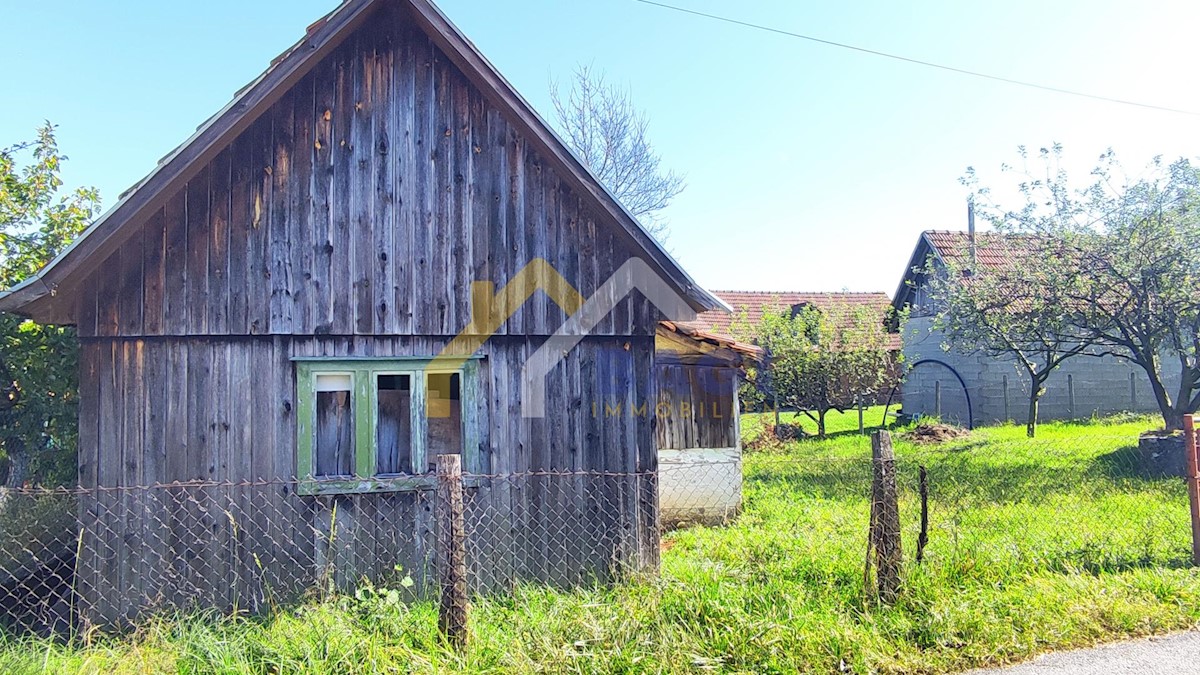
<point>749,307</point>
<point>693,331</point>
<point>992,249</point>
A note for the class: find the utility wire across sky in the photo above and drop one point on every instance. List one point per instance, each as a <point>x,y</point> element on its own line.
<point>919,62</point>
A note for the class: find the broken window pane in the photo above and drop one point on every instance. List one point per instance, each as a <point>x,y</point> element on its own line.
<point>443,401</point>
<point>393,427</point>
<point>334,427</point>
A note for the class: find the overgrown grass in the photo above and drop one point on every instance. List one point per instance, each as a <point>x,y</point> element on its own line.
<point>1034,545</point>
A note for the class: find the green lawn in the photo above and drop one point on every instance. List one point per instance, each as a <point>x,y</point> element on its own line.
<point>1034,545</point>
<point>835,423</point>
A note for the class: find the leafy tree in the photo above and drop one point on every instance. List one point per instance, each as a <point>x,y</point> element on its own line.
<point>603,127</point>
<point>38,364</point>
<point>1013,310</point>
<point>1133,246</point>
<point>820,361</point>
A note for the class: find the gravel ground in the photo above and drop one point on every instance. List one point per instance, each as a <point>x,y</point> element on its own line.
<point>1175,653</point>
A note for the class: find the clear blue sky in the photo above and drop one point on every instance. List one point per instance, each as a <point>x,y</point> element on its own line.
<point>808,167</point>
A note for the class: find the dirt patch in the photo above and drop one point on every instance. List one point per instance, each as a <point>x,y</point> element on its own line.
<point>774,436</point>
<point>931,434</point>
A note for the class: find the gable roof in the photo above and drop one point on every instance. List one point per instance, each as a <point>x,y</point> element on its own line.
<point>41,295</point>
<point>749,306</point>
<point>952,248</point>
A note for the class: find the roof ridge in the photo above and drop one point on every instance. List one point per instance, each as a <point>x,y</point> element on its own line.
<point>802,292</point>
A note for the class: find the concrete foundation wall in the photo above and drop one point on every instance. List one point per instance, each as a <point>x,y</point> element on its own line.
<point>999,388</point>
<point>699,485</point>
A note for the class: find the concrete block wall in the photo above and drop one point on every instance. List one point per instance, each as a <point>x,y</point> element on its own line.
<point>999,388</point>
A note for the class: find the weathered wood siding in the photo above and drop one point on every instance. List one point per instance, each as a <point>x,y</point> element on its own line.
<point>222,410</point>
<point>365,202</point>
<point>696,406</point>
<point>350,220</point>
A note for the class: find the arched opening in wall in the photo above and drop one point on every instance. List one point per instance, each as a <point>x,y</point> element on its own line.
<point>943,392</point>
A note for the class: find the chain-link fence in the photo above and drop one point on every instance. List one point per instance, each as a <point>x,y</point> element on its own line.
<point>1078,498</point>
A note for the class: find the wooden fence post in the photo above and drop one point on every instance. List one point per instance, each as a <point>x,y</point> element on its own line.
<point>452,550</point>
<point>923,537</point>
<point>885,517</point>
<point>1193,482</point>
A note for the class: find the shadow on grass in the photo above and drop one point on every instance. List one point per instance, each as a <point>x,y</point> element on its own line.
<point>1125,463</point>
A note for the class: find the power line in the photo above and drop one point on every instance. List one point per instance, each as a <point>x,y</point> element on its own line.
<point>928,64</point>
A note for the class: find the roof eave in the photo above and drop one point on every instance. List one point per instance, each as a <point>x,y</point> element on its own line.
<point>17,298</point>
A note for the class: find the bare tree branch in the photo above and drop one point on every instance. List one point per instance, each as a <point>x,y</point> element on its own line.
<point>610,135</point>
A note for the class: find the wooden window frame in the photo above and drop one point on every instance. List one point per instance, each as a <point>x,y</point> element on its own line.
<point>364,373</point>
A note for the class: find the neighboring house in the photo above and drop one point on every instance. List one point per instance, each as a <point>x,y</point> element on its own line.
<point>977,388</point>
<point>750,306</point>
<point>263,309</point>
<point>698,415</point>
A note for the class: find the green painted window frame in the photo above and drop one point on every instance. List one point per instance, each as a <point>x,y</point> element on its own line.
<point>364,373</point>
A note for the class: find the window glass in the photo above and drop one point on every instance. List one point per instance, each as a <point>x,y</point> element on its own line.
<point>393,426</point>
<point>334,426</point>
<point>443,396</point>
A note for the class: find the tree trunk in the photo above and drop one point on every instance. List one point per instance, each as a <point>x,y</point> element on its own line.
<point>821,423</point>
<point>1035,393</point>
<point>18,466</point>
<point>1172,419</point>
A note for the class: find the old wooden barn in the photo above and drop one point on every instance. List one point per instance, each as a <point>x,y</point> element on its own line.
<point>258,317</point>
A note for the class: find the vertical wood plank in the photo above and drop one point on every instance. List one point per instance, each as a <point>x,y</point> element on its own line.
<point>108,311</point>
<point>130,300</point>
<point>258,267</point>
<point>241,215</point>
<point>321,296</point>
<point>281,215</point>
<point>153,468</point>
<point>218,244</point>
<point>500,265</point>
<point>362,204</point>
<point>384,223</point>
<point>87,567</point>
<point>153,273</point>
<point>177,444</point>
<point>196,207</point>
<point>462,201</point>
<point>131,552</point>
<point>342,153</point>
<point>111,595</point>
<point>516,224</point>
<point>425,312</point>
<point>301,210</point>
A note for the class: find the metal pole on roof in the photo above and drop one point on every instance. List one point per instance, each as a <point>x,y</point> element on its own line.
<point>971,229</point>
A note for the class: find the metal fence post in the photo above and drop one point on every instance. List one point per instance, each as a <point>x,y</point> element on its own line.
<point>1193,481</point>
<point>1071,395</point>
<point>452,550</point>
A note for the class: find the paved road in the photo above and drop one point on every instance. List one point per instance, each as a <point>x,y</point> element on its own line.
<point>1176,653</point>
